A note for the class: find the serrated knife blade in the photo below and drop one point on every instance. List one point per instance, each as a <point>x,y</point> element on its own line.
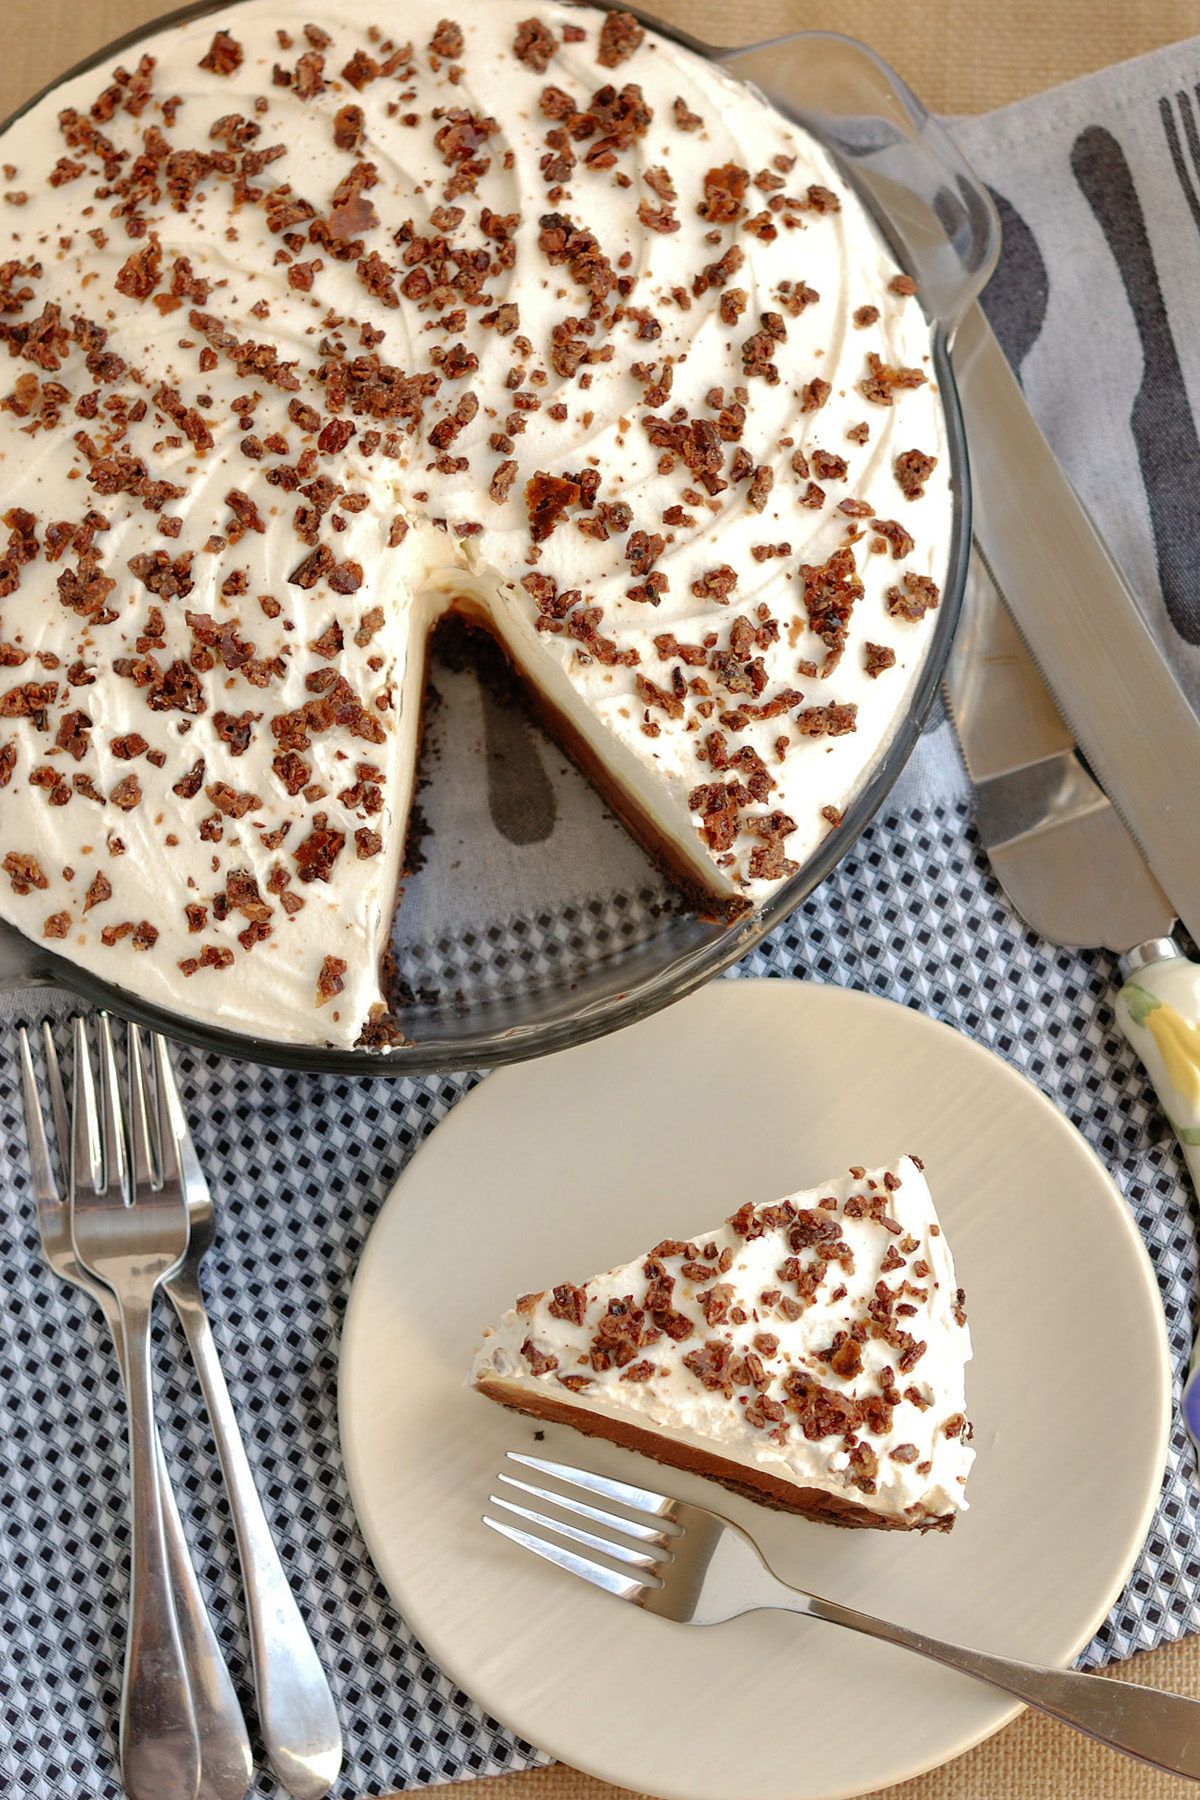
<point>1080,620</point>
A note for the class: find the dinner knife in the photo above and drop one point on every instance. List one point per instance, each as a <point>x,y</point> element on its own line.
<point>1080,620</point>
<point>1066,861</point>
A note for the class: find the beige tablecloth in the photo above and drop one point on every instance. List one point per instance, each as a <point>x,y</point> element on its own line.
<point>961,56</point>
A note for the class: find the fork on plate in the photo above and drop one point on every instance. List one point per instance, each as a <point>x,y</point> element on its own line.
<point>297,1716</point>
<point>688,1564</point>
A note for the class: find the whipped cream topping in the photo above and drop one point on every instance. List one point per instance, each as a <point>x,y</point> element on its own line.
<point>316,332</point>
<point>820,1340</point>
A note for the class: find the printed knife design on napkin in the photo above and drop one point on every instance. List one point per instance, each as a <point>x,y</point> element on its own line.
<point>1164,430</point>
<point>1018,294</point>
<point>1015,302</point>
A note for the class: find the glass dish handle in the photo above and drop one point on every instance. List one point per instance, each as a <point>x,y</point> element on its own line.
<point>927,200</point>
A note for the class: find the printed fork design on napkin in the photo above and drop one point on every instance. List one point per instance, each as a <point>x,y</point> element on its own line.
<point>1104,176</point>
<point>302,1163</point>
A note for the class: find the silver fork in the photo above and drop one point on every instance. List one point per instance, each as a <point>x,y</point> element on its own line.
<point>225,1761</point>
<point>130,1246</point>
<point>691,1565</point>
<point>296,1712</point>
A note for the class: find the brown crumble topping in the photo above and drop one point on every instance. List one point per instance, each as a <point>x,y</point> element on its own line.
<point>620,36</point>
<point>918,596</point>
<point>329,981</point>
<point>881,383</point>
<point>534,44</point>
<point>913,469</point>
<point>224,55</point>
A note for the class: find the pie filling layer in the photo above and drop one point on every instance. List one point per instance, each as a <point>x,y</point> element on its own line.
<point>321,323</point>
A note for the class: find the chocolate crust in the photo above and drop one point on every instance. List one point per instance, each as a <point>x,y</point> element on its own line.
<point>757,1485</point>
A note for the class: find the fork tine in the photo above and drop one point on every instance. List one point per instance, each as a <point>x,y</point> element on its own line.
<point>194,1180</point>
<point>629,1527</point>
<point>637,1559</point>
<point>112,1113</point>
<point>58,1100</point>
<point>624,1586</point>
<point>168,1142</point>
<point>45,1188</point>
<point>640,1499</point>
<point>86,1164</point>
<point>142,1158</point>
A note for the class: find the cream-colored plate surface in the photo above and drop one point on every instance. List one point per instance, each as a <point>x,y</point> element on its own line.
<point>556,1169</point>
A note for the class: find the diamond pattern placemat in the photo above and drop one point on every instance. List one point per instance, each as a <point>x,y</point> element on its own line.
<point>300,1165</point>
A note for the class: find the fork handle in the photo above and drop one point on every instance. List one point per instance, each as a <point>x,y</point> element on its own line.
<point>296,1711</point>
<point>1157,1728</point>
<point>226,1765</point>
<point>160,1745</point>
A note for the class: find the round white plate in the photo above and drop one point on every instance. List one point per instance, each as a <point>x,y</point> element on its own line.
<point>553,1170</point>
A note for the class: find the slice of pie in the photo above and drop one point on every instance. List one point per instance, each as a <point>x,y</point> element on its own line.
<point>808,1354</point>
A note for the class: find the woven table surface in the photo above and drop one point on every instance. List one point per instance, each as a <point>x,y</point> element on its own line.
<point>960,57</point>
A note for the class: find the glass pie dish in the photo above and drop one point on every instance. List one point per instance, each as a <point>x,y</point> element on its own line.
<point>530,921</point>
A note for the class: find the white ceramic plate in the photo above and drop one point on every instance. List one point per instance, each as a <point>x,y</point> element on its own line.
<point>556,1169</point>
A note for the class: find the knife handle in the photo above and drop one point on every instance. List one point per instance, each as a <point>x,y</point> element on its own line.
<point>1158,1009</point>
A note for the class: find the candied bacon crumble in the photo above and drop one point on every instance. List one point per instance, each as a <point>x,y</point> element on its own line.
<point>918,596</point>
<point>316,855</point>
<point>724,188</point>
<point>620,36</point>
<point>224,55</point>
<point>359,71</point>
<point>539,1363</point>
<point>348,127</point>
<point>24,872</point>
<point>547,499</point>
<point>329,981</point>
<point>913,469</point>
<point>882,381</point>
<point>569,1303</point>
<point>534,44</point>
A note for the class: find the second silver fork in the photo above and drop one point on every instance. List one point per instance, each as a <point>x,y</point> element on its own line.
<point>296,1712</point>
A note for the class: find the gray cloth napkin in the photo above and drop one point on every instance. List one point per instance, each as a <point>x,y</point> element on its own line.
<point>1099,193</point>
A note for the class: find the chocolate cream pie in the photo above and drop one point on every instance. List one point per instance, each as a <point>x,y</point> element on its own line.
<point>808,1354</point>
<point>323,322</point>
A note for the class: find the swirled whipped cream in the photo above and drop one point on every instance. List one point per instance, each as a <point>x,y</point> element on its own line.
<point>810,1351</point>
<point>322,324</point>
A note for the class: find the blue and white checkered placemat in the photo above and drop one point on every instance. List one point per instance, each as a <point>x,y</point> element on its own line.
<point>301,1164</point>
